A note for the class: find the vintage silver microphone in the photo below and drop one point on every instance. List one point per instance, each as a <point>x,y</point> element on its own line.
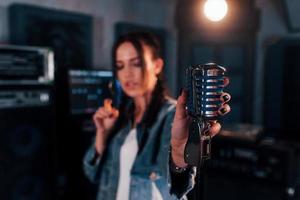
<point>204,85</point>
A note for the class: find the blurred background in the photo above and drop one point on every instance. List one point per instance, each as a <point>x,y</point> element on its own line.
<point>55,62</point>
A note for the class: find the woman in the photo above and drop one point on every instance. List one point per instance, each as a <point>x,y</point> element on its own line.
<point>130,156</point>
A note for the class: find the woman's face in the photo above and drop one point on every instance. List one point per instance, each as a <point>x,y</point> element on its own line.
<point>130,73</point>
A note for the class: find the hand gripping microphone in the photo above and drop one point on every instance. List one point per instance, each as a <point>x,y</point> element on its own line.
<point>204,86</point>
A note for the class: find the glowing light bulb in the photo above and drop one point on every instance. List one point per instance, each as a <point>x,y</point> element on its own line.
<point>215,10</point>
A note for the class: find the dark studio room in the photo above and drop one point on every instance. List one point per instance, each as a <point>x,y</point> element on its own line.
<point>149,99</point>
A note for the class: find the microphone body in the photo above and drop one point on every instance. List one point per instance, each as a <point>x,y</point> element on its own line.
<point>204,85</point>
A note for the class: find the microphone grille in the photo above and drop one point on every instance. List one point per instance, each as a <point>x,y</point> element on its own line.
<point>204,84</point>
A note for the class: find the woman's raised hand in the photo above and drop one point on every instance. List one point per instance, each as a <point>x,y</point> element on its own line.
<point>104,119</point>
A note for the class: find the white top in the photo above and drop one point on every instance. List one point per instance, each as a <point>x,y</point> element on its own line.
<point>127,156</point>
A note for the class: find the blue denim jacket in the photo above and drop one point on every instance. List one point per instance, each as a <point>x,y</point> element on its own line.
<point>151,163</point>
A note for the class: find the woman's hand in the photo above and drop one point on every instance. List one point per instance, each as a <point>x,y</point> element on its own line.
<point>181,125</point>
<point>104,119</point>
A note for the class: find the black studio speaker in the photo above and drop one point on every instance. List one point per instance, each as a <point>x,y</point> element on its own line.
<point>27,143</point>
<point>69,34</point>
<point>281,75</point>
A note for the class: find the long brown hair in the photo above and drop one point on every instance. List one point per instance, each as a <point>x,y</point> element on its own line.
<point>138,39</point>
